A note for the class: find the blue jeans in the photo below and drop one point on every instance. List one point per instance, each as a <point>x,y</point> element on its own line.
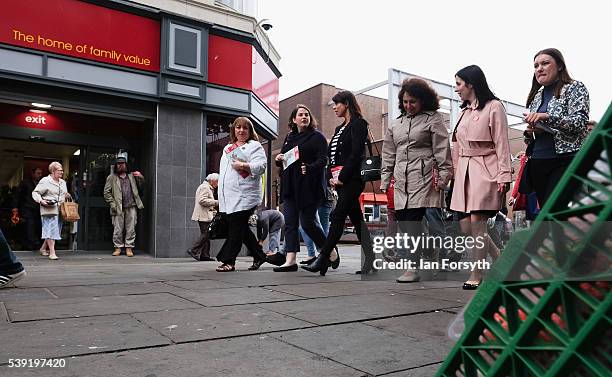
<point>323,212</point>
<point>8,261</point>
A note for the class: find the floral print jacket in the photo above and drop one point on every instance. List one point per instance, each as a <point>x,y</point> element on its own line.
<point>568,114</point>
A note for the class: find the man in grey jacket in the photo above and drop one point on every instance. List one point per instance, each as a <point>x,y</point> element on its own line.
<point>122,193</point>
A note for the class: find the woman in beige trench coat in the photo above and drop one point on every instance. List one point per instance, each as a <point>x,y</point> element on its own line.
<point>481,156</point>
<point>415,145</point>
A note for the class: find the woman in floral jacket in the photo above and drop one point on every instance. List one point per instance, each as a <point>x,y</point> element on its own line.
<point>557,121</point>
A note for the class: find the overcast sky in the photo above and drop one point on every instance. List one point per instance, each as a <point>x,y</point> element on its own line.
<point>351,44</point>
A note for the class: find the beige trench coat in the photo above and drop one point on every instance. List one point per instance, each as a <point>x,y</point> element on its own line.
<point>204,208</point>
<point>481,156</point>
<point>411,148</point>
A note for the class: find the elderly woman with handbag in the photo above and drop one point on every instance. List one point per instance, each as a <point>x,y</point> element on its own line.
<point>50,192</point>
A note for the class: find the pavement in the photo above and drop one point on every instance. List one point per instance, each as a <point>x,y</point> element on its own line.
<point>119,316</point>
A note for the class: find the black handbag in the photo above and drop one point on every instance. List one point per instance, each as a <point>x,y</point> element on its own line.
<point>219,227</point>
<point>370,165</point>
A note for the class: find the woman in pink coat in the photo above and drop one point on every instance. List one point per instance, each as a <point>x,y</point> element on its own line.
<point>481,155</point>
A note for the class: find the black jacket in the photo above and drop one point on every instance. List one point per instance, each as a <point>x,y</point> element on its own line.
<point>308,189</point>
<point>24,199</point>
<point>351,149</point>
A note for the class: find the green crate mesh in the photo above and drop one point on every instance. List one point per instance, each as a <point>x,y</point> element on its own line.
<point>545,308</point>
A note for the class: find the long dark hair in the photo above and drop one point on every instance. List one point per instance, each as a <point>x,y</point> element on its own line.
<point>421,90</point>
<point>564,76</point>
<point>293,127</point>
<point>348,98</point>
<point>473,75</point>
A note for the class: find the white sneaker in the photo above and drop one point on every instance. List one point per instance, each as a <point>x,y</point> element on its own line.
<point>10,280</point>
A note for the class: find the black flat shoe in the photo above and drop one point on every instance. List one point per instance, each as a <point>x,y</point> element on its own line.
<point>336,263</point>
<point>291,268</point>
<point>256,264</point>
<point>320,265</point>
<point>308,261</point>
<point>206,259</point>
<point>278,259</point>
<point>193,255</point>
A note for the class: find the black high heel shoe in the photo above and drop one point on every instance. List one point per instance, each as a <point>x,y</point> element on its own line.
<point>336,263</point>
<point>320,265</point>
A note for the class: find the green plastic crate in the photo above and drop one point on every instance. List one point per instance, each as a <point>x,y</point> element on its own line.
<point>545,308</point>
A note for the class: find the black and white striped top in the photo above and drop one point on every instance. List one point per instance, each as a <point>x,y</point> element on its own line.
<point>333,146</point>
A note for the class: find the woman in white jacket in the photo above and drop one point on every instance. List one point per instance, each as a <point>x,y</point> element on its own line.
<point>243,162</point>
<point>50,192</point>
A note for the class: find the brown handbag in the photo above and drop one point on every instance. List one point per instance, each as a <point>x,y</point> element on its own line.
<point>70,211</point>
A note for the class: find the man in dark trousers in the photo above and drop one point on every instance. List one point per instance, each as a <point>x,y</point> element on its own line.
<point>29,210</point>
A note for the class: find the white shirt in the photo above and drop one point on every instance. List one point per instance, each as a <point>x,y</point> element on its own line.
<point>237,193</point>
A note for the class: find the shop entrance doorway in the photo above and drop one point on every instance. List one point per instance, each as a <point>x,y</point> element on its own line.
<point>85,172</point>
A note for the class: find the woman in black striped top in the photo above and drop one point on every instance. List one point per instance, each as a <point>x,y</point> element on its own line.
<point>346,150</point>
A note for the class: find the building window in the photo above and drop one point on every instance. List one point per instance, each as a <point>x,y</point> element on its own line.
<point>217,137</point>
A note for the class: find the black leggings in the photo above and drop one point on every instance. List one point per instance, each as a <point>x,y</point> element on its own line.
<point>348,205</point>
<point>545,174</point>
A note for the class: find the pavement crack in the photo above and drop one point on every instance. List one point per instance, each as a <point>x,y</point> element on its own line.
<point>152,328</point>
<point>4,312</point>
<point>412,368</point>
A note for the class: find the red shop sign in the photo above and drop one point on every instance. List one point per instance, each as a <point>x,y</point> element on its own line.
<point>82,30</point>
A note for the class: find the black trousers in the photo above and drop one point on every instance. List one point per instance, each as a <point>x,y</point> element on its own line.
<point>545,174</point>
<point>202,245</point>
<point>8,261</point>
<point>296,216</point>
<point>348,205</point>
<point>410,222</point>
<point>239,232</point>
<point>32,228</point>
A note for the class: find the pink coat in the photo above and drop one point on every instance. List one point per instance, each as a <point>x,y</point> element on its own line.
<point>481,156</point>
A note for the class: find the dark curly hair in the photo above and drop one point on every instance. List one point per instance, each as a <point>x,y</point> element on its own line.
<point>421,90</point>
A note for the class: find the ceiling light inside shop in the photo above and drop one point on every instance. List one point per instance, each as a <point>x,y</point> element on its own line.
<point>41,105</point>
<point>77,153</point>
<point>38,111</point>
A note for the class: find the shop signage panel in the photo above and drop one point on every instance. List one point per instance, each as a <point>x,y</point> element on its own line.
<point>82,30</point>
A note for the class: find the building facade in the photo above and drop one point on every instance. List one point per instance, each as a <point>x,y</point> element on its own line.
<point>156,81</point>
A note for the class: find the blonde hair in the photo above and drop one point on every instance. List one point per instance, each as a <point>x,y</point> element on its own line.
<point>54,166</point>
<point>242,121</point>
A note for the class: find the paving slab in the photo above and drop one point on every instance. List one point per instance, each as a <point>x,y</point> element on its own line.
<point>431,326</point>
<point>77,336</point>
<point>262,278</point>
<point>426,371</point>
<point>236,296</point>
<point>336,288</point>
<point>90,306</point>
<point>363,347</point>
<point>267,357</point>
<point>342,309</point>
<point>113,290</point>
<point>213,323</point>
<point>85,279</point>
<point>202,284</point>
<point>456,295</point>
<point>24,294</point>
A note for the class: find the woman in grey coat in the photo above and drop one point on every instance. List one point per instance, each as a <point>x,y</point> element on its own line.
<point>416,152</point>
